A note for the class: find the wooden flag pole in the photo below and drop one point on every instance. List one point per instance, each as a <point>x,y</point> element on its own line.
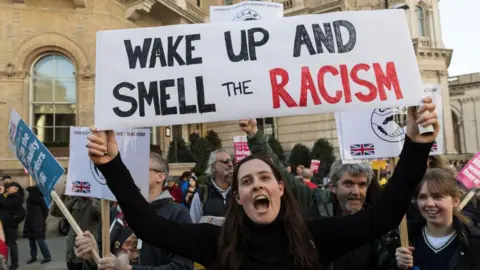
<point>467,198</point>
<point>105,208</point>
<point>71,220</point>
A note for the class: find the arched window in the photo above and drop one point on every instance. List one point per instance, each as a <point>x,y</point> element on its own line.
<point>420,21</point>
<point>53,99</point>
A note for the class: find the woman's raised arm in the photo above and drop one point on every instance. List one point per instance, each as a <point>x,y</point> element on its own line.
<point>201,239</point>
<point>349,232</point>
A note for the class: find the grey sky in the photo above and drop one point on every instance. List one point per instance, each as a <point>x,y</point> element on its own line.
<point>460,21</point>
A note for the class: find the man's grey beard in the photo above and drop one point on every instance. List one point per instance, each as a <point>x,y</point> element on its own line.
<point>350,210</point>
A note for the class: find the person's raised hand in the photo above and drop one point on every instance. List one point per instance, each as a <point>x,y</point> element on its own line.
<point>423,116</point>
<point>84,246</point>
<point>102,146</point>
<point>404,257</point>
<point>249,126</point>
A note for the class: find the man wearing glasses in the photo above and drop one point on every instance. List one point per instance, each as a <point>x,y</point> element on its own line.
<point>209,204</point>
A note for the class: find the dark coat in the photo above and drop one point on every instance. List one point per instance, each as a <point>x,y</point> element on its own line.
<point>11,209</point>
<point>466,255</point>
<point>37,213</point>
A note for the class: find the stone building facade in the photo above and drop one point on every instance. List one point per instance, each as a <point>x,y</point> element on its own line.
<point>47,65</point>
<point>433,59</point>
<point>465,104</point>
<point>47,62</point>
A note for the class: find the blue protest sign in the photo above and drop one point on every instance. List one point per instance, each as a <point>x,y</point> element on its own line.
<point>35,157</point>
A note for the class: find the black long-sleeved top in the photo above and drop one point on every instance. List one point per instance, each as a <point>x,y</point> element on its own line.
<point>266,246</point>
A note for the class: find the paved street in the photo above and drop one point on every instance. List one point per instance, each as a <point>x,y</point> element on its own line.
<point>57,249</point>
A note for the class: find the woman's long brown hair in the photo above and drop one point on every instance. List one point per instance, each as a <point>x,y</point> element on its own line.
<point>230,253</point>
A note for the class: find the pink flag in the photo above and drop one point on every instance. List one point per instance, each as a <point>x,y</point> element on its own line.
<point>314,165</point>
<point>240,146</point>
<point>470,174</point>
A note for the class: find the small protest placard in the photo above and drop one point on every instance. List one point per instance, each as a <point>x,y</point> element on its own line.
<point>246,11</point>
<point>469,176</point>
<point>34,156</point>
<point>314,165</point>
<point>84,179</point>
<point>382,129</point>
<point>240,146</point>
<point>298,65</point>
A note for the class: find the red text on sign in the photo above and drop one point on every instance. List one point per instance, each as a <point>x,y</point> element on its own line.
<point>315,87</point>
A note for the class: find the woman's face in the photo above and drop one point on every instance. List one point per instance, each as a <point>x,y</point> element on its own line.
<point>191,182</point>
<point>437,209</point>
<point>259,192</point>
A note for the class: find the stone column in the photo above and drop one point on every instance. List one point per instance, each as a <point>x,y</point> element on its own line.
<point>447,114</point>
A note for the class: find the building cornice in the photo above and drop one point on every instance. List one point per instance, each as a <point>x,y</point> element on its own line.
<point>191,13</point>
<point>326,8</point>
<point>423,49</point>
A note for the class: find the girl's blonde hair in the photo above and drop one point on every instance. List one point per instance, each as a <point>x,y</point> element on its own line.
<point>442,181</point>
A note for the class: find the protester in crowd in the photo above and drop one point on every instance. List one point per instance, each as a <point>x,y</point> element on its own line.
<point>192,189</point>
<point>263,228</point>
<point>210,202</point>
<point>35,226</point>
<point>298,171</point>
<point>183,182</point>
<point>307,175</point>
<point>162,203</point>
<point>12,214</point>
<point>86,212</point>
<point>289,169</point>
<point>444,239</point>
<point>175,191</point>
<point>471,209</point>
<point>353,189</point>
<point>120,232</point>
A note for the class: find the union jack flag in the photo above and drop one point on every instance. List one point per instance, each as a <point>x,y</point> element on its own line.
<point>81,187</point>
<point>434,147</point>
<point>363,149</point>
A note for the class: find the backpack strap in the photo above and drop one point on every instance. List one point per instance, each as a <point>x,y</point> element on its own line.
<point>203,194</point>
<point>324,204</point>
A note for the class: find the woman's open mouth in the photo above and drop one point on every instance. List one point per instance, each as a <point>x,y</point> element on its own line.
<point>261,203</point>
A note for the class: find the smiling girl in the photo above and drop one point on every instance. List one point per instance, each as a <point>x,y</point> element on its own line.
<point>444,239</point>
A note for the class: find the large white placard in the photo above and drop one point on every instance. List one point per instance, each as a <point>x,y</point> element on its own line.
<point>267,68</point>
<point>84,179</point>
<point>246,11</point>
<point>380,133</point>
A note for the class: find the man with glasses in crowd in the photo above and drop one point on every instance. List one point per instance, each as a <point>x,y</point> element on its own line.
<point>209,204</point>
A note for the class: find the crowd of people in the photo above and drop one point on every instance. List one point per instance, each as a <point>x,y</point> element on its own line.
<point>260,213</point>
<point>256,214</point>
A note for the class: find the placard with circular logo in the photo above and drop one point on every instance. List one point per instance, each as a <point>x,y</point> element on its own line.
<point>389,124</point>
<point>247,15</point>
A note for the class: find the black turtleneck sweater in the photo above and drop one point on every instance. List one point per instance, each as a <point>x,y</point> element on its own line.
<point>265,246</point>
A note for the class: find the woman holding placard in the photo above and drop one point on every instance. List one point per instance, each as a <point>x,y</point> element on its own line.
<point>444,239</point>
<point>263,228</point>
